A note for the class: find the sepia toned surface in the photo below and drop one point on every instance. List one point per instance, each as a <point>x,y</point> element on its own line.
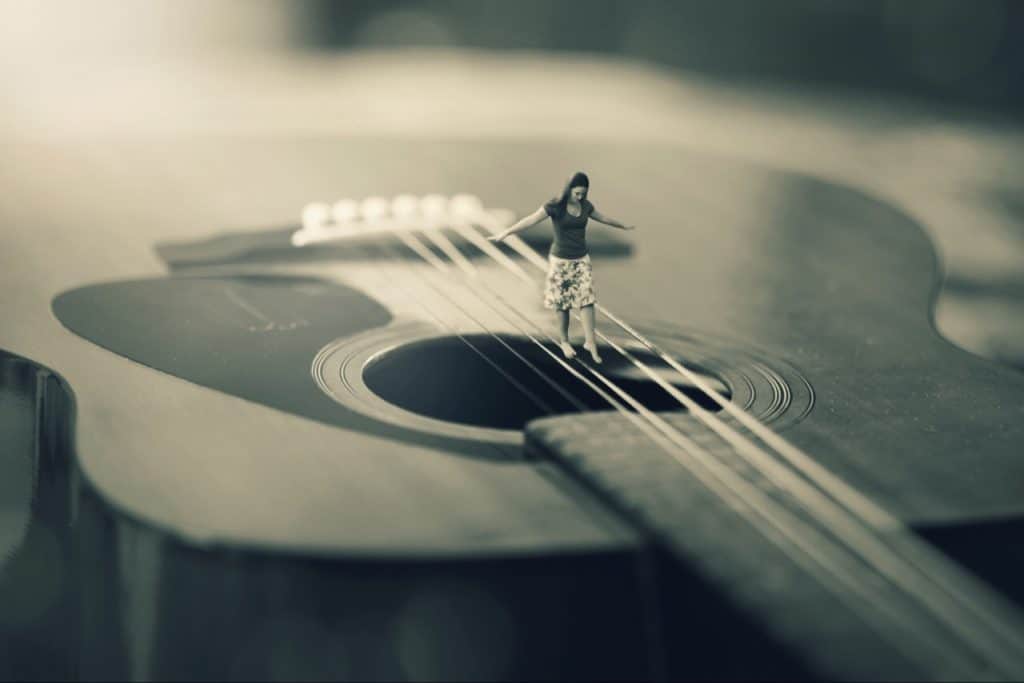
<point>799,223</point>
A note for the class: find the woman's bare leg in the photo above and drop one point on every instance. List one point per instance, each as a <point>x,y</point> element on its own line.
<point>563,334</point>
<point>587,313</point>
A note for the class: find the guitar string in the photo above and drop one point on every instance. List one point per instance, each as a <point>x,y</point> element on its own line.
<point>418,249</point>
<point>801,461</point>
<point>865,542</point>
<point>838,489</point>
<point>939,567</point>
<point>463,262</point>
<point>424,252</point>
<point>786,526</point>
<point>569,397</point>
<point>719,494</point>
<point>537,401</point>
<point>531,396</point>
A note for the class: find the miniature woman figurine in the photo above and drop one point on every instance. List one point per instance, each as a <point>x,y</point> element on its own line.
<point>569,282</point>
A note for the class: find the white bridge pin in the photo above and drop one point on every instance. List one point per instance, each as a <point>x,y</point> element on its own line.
<point>348,217</point>
<point>434,206</point>
<point>345,211</point>
<point>314,215</point>
<point>405,206</point>
<point>374,208</point>
<point>466,206</point>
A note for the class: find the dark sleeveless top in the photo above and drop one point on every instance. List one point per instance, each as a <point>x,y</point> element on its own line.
<point>570,231</point>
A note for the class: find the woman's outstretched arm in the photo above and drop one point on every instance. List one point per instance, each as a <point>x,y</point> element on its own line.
<point>522,224</point>
<point>600,218</point>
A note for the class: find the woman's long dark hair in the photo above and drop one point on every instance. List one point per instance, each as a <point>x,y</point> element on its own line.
<point>578,179</point>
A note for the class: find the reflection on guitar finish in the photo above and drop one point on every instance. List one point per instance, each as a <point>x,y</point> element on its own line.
<point>268,324</point>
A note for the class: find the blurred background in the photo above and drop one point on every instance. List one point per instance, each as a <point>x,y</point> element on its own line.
<point>960,51</point>
<point>914,101</point>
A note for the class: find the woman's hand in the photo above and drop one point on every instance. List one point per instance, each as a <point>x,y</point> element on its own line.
<point>607,220</point>
<point>522,224</point>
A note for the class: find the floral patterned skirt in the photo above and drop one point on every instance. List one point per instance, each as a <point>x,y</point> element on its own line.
<point>569,284</point>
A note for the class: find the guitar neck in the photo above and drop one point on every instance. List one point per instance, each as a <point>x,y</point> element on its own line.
<point>734,542</point>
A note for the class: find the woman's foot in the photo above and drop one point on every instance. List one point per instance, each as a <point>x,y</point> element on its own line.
<point>567,349</point>
<point>593,353</point>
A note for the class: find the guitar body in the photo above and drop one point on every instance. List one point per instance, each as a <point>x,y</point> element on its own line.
<point>268,493</point>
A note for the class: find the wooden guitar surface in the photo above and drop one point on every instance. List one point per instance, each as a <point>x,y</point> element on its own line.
<point>819,276</point>
<point>197,411</point>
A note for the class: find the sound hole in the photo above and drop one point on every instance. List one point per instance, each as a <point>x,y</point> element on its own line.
<point>481,382</point>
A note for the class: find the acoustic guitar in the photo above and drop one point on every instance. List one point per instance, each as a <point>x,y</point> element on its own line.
<point>346,445</point>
